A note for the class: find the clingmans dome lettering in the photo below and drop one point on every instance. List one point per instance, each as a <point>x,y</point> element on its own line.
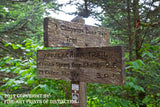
<point>58,33</point>
<point>96,65</point>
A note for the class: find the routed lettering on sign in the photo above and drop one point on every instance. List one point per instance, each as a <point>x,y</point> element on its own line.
<point>58,33</point>
<point>96,65</point>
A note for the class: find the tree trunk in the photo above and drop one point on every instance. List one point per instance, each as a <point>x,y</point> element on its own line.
<point>129,30</point>
<point>138,38</point>
<point>138,42</point>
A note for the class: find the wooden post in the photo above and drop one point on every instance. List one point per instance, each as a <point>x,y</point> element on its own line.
<point>83,94</point>
<point>78,93</point>
<point>82,86</point>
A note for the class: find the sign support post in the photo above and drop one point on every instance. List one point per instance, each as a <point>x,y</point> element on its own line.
<point>82,86</point>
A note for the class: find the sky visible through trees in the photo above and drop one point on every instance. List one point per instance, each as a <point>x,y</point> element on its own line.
<point>70,9</point>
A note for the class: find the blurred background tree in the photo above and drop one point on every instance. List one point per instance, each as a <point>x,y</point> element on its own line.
<point>21,19</point>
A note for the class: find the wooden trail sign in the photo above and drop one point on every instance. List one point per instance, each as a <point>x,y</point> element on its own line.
<point>88,63</point>
<point>58,33</point>
<point>96,65</point>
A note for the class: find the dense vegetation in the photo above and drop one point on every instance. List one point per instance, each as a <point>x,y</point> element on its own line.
<point>133,23</point>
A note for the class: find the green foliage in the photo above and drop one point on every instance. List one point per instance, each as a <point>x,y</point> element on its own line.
<point>21,20</point>
<point>25,78</point>
<point>146,72</point>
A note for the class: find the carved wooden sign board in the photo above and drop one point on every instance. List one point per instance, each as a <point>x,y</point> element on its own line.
<point>96,65</point>
<point>90,59</point>
<point>58,33</point>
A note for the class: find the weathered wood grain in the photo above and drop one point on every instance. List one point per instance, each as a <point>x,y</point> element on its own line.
<point>58,33</point>
<point>96,65</point>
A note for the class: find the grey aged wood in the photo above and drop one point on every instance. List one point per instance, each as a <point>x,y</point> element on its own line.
<point>96,65</point>
<point>83,94</point>
<point>58,33</point>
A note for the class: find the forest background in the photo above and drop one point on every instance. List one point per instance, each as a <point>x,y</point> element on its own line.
<point>133,23</point>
